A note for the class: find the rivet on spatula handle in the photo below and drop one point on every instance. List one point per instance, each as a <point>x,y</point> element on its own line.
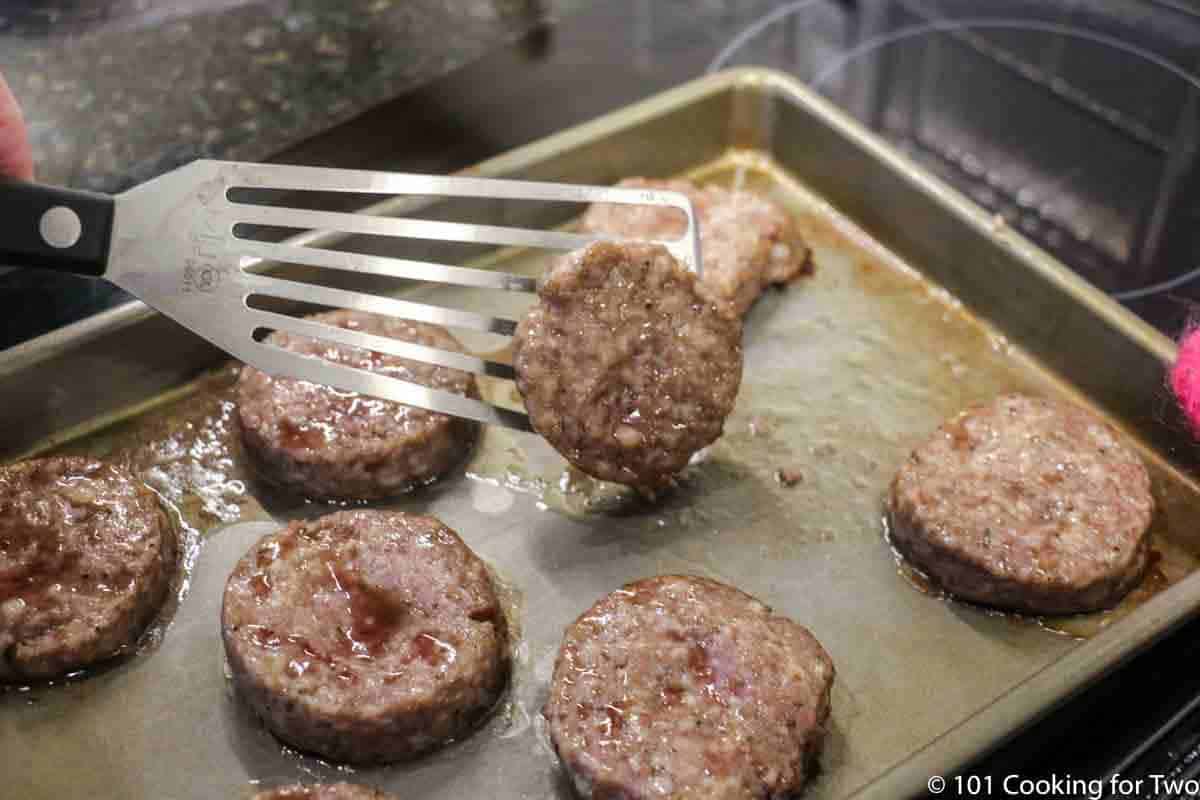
<point>52,228</point>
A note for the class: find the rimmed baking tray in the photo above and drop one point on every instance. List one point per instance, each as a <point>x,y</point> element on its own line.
<point>920,304</point>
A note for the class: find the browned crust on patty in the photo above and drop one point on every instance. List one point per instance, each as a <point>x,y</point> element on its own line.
<point>1026,504</point>
<point>86,558</point>
<point>332,445</point>
<point>624,368</point>
<point>323,791</point>
<point>678,687</point>
<point>365,636</point>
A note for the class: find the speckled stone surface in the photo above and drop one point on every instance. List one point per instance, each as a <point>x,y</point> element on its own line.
<point>117,92</point>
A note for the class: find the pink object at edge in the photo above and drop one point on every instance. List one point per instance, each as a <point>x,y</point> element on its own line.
<point>1185,377</point>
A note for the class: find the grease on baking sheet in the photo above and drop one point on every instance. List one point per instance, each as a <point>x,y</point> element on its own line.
<point>846,370</point>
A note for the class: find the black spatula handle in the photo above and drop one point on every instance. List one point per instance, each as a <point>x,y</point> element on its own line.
<point>60,229</point>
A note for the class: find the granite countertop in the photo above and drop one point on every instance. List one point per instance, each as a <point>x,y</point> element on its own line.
<point>118,92</point>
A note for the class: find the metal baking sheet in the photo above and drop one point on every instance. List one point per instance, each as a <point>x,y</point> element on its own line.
<point>920,305</point>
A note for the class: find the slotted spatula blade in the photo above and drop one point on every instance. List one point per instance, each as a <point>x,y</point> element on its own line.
<point>172,243</point>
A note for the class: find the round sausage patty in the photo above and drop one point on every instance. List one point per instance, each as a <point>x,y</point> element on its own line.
<point>747,242</point>
<point>624,368</point>
<point>333,445</point>
<point>365,636</point>
<point>1026,504</point>
<point>323,791</point>
<point>679,687</point>
<point>86,557</point>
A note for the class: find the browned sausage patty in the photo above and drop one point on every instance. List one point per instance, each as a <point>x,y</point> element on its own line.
<point>681,687</point>
<point>1028,504</point>
<point>323,791</point>
<point>334,445</point>
<point>86,557</point>
<point>624,368</point>
<point>747,242</point>
<point>365,636</point>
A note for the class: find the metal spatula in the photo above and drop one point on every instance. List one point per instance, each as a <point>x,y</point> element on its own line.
<point>172,243</point>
